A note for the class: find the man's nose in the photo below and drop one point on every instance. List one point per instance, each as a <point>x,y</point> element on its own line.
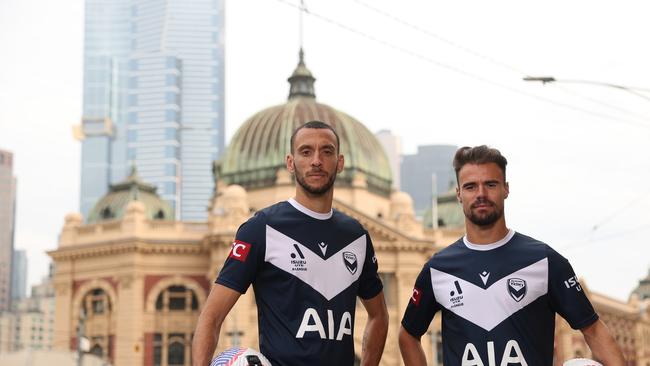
<point>482,190</point>
<point>316,160</point>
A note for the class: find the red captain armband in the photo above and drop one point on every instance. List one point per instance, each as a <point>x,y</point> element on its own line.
<point>239,250</point>
<point>415,297</point>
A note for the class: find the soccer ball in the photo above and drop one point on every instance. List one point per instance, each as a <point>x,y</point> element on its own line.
<point>582,362</point>
<point>238,356</point>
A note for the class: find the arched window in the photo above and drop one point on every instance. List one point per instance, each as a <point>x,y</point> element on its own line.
<point>96,302</point>
<point>99,324</point>
<point>172,347</point>
<point>176,354</point>
<point>177,298</point>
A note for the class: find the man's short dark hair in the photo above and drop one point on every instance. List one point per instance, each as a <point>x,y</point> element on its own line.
<point>479,155</point>
<point>316,125</point>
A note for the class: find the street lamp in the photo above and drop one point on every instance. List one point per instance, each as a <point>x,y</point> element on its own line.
<point>629,89</point>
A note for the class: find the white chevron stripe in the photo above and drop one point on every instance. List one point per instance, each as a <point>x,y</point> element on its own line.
<point>329,276</point>
<point>487,308</point>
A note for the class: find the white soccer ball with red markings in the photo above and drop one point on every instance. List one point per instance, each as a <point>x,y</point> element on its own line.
<point>582,362</point>
<point>239,356</point>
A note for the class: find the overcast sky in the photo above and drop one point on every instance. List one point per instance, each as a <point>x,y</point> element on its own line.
<point>433,72</point>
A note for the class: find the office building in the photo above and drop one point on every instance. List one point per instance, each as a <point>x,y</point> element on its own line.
<point>19,275</point>
<point>153,99</point>
<point>429,170</point>
<point>30,325</point>
<point>7,226</point>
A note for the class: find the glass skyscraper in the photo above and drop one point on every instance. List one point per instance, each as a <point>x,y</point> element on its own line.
<point>153,99</point>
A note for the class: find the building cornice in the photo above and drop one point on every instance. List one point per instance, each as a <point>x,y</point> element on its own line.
<point>128,245</point>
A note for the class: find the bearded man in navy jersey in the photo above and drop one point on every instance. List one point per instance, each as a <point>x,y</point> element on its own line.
<point>308,264</point>
<point>498,290</point>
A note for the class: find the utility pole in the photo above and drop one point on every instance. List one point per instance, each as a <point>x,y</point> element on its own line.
<point>81,330</point>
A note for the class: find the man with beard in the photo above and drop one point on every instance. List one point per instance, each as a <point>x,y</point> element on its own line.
<point>308,264</point>
<point>498,290</point>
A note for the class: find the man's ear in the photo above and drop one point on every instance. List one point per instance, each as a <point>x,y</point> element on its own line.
<point>458,195</point>
<point>289,162</point>
<point>507,188</point>
<point>341,164</point>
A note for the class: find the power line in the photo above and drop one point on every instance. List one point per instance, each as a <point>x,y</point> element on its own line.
<point>499,63</point>
<point>461,71</point>
<point>611,236</point>
<point>603,103</point>
<point>621,210</point>
<point>441,39</point>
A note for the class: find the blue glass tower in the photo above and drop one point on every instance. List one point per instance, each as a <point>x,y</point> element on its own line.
<point>159,104</point>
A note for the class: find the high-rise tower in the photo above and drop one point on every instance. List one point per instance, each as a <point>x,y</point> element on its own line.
<point>7,225</point>
<point>153,98</point>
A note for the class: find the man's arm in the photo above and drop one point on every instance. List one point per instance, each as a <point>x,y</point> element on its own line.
<point>206,335</point>
<point>602,344</point>
<point>411,349</point>
<point>374,336</point>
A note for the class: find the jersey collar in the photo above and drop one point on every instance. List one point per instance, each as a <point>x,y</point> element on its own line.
<point>308,212</point>
<point>484,247</point>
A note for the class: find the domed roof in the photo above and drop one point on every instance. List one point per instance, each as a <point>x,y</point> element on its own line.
<point>259,147</point>
<point>113,205</point>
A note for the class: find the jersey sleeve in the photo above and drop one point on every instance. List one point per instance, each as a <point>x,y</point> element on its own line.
<point>422,305</point>
<point>566,295</point>
<point>246,255</point>
<point>369,283</point>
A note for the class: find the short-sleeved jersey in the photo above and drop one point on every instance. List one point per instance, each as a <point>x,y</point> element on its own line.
<point>307,270</point>
<point>498,301</point>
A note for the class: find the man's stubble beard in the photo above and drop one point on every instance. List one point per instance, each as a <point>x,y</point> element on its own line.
<point>313,190</point>
<point>485,220</point>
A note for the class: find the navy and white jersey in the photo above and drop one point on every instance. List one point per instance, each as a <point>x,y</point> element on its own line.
<point>307,269</point>
<point>498,301</point>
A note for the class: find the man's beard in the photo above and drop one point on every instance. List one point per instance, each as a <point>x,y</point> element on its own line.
<point>316,191</point>
<point>487,219</point>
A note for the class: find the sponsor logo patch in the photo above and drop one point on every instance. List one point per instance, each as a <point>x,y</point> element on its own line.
<point>415,297</point>
<point>517,288</point>
<point>456,296</point>
<point>298,261</point>
<point>350,260</point>
<point>240,250</point>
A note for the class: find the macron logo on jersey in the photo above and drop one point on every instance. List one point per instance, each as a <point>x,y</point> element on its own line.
<point>240,250</point>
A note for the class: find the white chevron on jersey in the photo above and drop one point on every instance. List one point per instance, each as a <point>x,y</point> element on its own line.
<point>487,308</point>
<point>329,276</point>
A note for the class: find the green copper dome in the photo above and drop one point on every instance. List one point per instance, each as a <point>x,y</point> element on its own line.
<point>258,148</point>
<point>113,205</point>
